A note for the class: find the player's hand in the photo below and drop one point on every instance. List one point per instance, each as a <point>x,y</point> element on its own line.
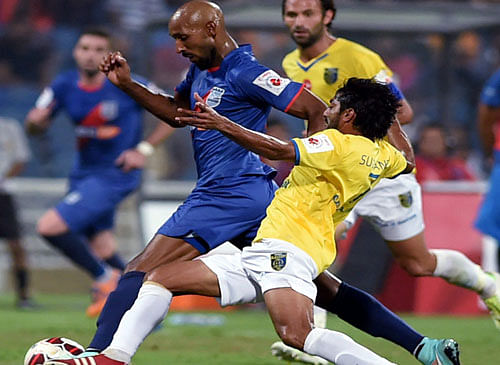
<point>130,160</point>
<point>38,119</point>
<point>116,68</point>
<point>204,116</point>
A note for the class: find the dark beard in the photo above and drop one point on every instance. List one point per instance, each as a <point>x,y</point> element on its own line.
<point>206,63</point>
<point>313,38</point>
<point>90,73</point>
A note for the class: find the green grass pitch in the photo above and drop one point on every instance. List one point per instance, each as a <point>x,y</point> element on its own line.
<point>244,338</point>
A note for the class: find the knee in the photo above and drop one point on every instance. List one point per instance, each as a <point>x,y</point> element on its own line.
<point>416,266</point>
<point>51,224</point>
<point>44,227</point>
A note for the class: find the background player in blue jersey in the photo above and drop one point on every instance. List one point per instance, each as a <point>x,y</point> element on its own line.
<point>108,127</point>
<point>488,220</point>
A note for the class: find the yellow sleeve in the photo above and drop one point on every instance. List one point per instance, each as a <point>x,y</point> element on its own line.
<point>397,162</point>
<point>374,67</point>
<point>322,150</point>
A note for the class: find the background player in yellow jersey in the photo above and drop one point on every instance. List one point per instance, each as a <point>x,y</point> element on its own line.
<point>323,62</point>
<point>295,241</point>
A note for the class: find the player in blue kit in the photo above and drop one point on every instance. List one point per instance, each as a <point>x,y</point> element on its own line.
<point>234,187</point>
<point>488,219</point>
<point>108,127</point>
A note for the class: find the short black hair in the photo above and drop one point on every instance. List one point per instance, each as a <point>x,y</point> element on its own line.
<point>325,5</point>
<point>374,103</point>
<point>98,32</point>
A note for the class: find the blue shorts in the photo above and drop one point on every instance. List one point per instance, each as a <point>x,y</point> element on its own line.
<point>90,204</point>
<point>229,210</point>
<point>488,219</point>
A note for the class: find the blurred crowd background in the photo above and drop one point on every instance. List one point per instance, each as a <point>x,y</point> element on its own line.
<point>441,70</point>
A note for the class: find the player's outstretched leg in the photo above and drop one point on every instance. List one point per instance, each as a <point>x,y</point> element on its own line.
<point>493,302</point>
<point>456,268</point>
<point>444,352</point>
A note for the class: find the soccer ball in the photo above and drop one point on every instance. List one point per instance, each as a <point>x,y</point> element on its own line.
<point>52,348</point>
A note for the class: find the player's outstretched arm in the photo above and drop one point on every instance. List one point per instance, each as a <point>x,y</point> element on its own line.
<point>310,107</point>
<point>163,106</point>
<point>260,143</point>
<point>399,139</point>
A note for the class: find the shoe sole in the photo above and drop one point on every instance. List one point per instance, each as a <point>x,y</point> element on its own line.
<point>452,351</point>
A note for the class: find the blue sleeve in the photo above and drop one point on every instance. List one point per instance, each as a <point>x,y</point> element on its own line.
<point>297,153</point>
<point>264,86</point>
<point>395,90</point>
<point>184,87</point>
<point>491,91</point>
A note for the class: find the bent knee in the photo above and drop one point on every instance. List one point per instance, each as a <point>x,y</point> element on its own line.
<point>51,224</point>
<point>417,267</point>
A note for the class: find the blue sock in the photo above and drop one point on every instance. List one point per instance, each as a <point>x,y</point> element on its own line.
<point>74,247</point>
<point>119,301</point>
<point>366,313</point>
<point>116,261</point>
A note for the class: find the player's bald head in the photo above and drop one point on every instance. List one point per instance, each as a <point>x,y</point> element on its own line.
<point>197,14</point>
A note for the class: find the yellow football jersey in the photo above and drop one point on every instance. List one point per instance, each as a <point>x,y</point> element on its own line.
<point>333,171</point>
<point>328,72</point>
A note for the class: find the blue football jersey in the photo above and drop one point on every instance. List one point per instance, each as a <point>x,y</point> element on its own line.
<point>244,91</point>
<point>107,121</point>
<point>491,91</point>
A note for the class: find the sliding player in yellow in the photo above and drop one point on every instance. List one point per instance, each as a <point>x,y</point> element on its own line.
<point>295,242</point>
<point>323,63</point>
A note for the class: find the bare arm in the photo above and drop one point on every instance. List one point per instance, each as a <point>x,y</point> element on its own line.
<point>405,113</point>
<point>161,105</point>
<point>398,138</point>
<point>135,158</point>
<point>310,107</point>
<point>260,143</point>
<point>487,117</point>
<point>37,120</point>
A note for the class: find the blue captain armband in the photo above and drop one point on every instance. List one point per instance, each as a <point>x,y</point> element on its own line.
<point>297,152</point>
<point>395,90</point>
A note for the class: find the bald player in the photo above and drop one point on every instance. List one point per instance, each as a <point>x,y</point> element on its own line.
<point>234,186</point>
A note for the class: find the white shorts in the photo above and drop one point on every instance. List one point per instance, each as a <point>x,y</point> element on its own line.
<point>235,285</point>
<point>243,277</point>
<point>393,207</point>
<point>276,264</point>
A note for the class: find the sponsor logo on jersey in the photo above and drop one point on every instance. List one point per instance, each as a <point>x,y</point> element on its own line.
<point>330,75</point>
<point>271,82</point>
<point>383,77</point>
<point>109,109</point>
<point>73,198</point>
<point>103,132</point>
<point>318,143</point>
<point>278,260</point>
<point>406,199</point>
<point>214,97</point>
